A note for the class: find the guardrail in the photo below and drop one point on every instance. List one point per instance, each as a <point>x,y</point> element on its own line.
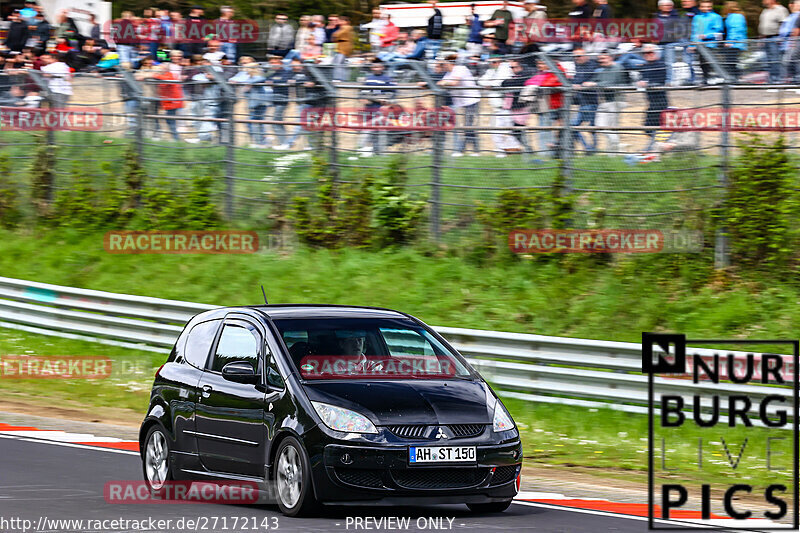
<point>581,372</point>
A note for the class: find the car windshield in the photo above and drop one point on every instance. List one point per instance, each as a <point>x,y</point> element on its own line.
<point>374,348</point>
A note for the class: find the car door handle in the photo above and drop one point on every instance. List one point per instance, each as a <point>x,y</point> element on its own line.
<point>206,391</point>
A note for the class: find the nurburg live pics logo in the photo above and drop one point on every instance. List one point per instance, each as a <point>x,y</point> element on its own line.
<point>731,391</point>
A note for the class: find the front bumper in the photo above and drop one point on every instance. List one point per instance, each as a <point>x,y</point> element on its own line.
<point>350,472</point>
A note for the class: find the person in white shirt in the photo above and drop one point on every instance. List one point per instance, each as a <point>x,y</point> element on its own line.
<point>466,98</point>
<point>214,53</point>
<point>59,80</point>
<point>375,27</point>
<point>499,71</point>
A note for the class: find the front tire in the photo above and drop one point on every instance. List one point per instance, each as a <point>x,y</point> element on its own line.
<point>491,507</point>
<point>156,466</point>
<point>293,488</point>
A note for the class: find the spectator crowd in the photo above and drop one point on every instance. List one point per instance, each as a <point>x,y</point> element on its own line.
<point>488,65</point>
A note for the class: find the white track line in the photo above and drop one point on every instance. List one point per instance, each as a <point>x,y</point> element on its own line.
<point>69,444</point>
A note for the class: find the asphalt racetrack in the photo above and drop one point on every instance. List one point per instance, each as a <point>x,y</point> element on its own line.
<point>42,484</point>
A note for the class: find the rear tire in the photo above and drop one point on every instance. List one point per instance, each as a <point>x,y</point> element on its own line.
<point>491,507</point>
<point>156,465</point>
<point>293,486</point>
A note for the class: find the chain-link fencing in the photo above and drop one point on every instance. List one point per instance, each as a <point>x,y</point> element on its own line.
<point>464,131</point>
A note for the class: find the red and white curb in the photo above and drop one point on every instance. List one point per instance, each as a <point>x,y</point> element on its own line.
<point>550,500</point>
<point>66,437</point>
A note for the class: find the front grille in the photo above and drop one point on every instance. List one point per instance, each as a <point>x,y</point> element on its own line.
<point>409,432</point>
<point>466,430</point>
<point>359,478</point>
<point>504,474</point>
<point>439,478</point>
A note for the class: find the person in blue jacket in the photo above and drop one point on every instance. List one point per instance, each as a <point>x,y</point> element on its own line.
<point>708,28</point>
<point>735,37</point>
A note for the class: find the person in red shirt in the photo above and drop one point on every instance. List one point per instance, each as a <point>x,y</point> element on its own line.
<point>171,97</point>
<point>550,103</point>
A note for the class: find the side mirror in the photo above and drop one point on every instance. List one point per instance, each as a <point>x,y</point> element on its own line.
<point>239,372</point>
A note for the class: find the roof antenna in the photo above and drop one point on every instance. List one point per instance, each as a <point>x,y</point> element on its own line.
<point>265,295</point>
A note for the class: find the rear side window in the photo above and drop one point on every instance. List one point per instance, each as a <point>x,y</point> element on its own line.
<point>237,343</point>
<point>199,342</point>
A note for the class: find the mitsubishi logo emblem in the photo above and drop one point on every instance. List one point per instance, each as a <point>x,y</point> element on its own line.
<point>440,434</point>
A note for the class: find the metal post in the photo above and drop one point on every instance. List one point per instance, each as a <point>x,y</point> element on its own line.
<point>436,174</point>
<point>228,94</point>
<point>330,90</point>
<point>50,140</point>
<point>721,244</point>
<point>566,139</point>
<point>134,91</point>
<point>438,152</point>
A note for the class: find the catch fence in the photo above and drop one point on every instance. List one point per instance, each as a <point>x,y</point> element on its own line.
<point>625,171</point>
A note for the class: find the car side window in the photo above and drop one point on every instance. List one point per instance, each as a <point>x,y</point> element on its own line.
<point>406,342</point>
<point>199,342</point>
<point>236,343</point>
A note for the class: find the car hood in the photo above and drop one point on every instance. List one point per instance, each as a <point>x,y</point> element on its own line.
<point>409,402</point>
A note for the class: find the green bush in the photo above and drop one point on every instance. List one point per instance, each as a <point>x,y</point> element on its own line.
<point>522,209</point>
<point>365,211</point>
<point>761,210</point>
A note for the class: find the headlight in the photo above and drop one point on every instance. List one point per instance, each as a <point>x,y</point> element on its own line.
<point>502,420</point>
<point>343,419</point>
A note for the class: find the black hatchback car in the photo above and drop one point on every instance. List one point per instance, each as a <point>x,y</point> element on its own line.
<point>329,404</point>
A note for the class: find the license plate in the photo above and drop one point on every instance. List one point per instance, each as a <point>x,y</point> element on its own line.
<point>441,454</point>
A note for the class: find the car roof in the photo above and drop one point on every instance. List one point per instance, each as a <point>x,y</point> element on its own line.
<point>300,311</point>
<point>326,311</point>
